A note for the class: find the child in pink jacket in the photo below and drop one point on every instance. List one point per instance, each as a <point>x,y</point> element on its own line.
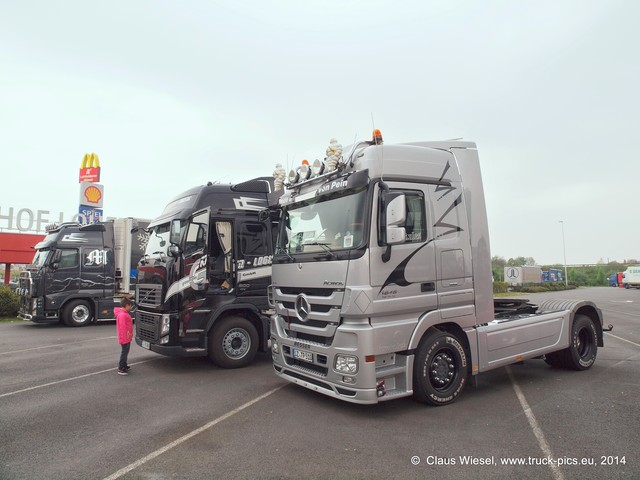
<point>124,326</point>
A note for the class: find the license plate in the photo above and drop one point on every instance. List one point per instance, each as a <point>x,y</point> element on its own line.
<point>302,355</point>
<point>146,345</point>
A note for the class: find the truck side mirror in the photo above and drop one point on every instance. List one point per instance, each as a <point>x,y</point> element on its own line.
<point>396,215</point>
<point>393,213</point>
<point>174,234</point>
<point>55,260</point>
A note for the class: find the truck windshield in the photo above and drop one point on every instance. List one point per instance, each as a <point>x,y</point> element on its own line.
<point>324,223</point>
<point>158,240</point>
<point>41,258</point>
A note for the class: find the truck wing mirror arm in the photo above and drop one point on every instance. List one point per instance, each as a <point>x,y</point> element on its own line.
<point>386,256</point>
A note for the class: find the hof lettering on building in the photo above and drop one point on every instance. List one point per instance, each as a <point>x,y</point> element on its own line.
<point>26,220</point>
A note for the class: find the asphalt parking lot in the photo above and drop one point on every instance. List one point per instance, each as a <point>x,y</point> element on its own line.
<point>66,414</point>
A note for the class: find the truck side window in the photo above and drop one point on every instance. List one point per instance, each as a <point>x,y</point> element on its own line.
<point>68,258</point>
<point>196,234</point>
<point>254,239</point>
<point>416,222</point>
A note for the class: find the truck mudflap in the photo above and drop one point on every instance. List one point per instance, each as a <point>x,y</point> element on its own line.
<point>583,307</point>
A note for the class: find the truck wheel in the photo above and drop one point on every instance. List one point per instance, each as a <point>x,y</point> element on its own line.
<point>77,313</point>
<point>584,347</point>
<point>440,369</point>
<point>233,342</point>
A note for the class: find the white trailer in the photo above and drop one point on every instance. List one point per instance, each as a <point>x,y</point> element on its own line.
<point>522,275</point>
<point>631,277</point>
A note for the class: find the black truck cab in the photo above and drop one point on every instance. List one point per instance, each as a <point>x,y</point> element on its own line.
<point>79,272</point>
<point>202,283</point>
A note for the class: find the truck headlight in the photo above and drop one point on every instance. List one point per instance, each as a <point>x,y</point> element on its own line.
<point>165,325</point>
<point>164,340</point>
<point>346,364</point>
<point>275,349</point>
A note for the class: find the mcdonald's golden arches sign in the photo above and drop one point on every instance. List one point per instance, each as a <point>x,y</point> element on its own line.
<point>90,168</point>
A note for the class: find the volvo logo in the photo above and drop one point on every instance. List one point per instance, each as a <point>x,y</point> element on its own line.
<point>303,308</point>
<point>299,266</point>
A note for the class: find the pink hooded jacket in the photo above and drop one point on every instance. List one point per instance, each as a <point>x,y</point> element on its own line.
<point>124,325</point>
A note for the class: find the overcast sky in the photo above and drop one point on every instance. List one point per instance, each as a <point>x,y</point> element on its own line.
<point>173,94</point>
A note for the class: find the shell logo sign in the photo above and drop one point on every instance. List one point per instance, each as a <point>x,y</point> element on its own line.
<point>91,193</point>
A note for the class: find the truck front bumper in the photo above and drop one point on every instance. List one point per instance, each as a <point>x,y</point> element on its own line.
<point>171,350</point>
<point>361,395</point>
<point>314,365</point>
<point>38,318</point>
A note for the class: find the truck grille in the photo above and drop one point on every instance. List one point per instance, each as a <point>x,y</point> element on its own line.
<point>314,292</point>
<point>147,326</point>
<point>25,284</point>
<point>322,316</point>
<point>149,295</point>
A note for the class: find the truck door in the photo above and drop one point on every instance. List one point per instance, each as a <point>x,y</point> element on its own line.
<point>254,254</point>
<point>62,277</point>
<point>196,239</point>
<point>97,271</point>
<point>407,281</point>
<point>452,250</point>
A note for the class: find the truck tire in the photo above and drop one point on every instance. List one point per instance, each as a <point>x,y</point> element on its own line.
<point>77,313</point>
<point>582,352</point>
<point>440,369</point>
<point>233,342</point>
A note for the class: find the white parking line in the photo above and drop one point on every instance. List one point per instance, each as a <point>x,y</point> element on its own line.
<point>189,435</point>
<point>623,339</point>
<point>623,313</point>
<point>535,426</point>
<point>57,345</point>
<point>70,379</point>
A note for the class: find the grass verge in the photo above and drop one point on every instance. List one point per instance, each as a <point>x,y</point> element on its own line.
<point>10,319</point>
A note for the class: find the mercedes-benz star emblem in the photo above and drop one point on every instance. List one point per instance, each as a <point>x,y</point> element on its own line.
<point>303,308</point>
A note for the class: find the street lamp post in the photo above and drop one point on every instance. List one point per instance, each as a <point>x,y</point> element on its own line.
<point>564,251</point>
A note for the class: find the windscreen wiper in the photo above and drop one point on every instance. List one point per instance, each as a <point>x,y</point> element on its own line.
<point>284,251</point>
<point>325,247</point>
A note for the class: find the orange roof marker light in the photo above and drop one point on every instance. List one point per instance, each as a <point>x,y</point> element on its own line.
<point>304,170</point>
<point>376,137</point>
